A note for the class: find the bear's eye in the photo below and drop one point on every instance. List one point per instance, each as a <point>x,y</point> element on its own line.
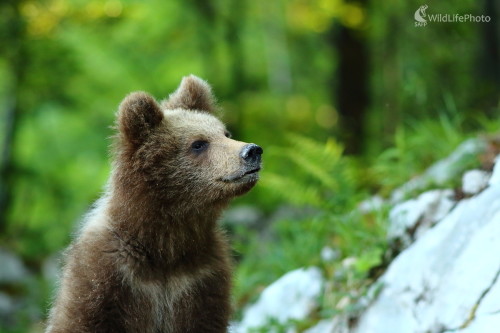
<point>199,146</point>
<point>227,134</point>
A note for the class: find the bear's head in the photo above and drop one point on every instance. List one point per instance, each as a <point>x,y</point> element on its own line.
<point>178,151</point>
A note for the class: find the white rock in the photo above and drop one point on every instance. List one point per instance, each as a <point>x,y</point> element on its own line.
<point>51,268</point>
<point>487,324</point>
<point>438,281</point>
<point>339,324</point>
<point>7,306</point>
<point>442,171</point>
<point>487,315</point>
<point>490,303</point>
<point>293,296</point>
<point>495,177</point>
<point>242,215</point>
<point>401,192</point>
<point>484,324</point>
<point>12,268</point>
<point>449,167</point>
<point>372,204</point>
<point>349,262</point>
<point>474,181</point>
<point>410,219</point>
<point>328,254</point>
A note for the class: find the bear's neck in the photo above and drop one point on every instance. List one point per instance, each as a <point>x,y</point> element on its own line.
<point>167,232</point>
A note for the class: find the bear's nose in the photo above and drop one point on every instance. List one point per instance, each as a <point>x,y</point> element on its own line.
<point>251,153</point>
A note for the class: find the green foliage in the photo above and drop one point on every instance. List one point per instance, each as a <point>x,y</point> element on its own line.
<point>309,173</point>
<point>318,176</point>
<point>416,147</point>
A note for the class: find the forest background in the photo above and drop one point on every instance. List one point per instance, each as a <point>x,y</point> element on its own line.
<point>348,99</point>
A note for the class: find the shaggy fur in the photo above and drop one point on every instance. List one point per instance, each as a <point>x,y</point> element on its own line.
<point>150,256</point>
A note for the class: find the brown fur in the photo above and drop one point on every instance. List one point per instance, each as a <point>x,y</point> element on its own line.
<point>150,256</point>
<point>189,96</point>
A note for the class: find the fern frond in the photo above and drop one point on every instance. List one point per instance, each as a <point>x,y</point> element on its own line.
<point>291,190</point>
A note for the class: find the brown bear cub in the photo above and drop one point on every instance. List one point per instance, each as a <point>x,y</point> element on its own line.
<point>150,256</point>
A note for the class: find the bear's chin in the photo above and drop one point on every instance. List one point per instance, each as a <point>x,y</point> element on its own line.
<point>244,188</point>
<point>243,184</point>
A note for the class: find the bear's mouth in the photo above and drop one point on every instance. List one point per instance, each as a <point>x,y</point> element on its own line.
<point>252,171</point>
<point>242,176</point>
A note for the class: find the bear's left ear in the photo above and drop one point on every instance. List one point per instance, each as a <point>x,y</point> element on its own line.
<point>138,115</point>
<point>192,94</point>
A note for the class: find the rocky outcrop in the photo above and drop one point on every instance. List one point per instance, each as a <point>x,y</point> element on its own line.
<point>292,297</point>
<point>448,280</point>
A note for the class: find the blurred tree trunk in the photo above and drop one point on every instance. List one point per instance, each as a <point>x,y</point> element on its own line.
<point>238,81</point>
<point>352,94</point>
<point>13,35</point>
<point>234,23</point>
<point>489,59</point>
<point>206,26</point>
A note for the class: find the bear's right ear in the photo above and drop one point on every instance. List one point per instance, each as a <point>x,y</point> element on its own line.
<point>138,115</point>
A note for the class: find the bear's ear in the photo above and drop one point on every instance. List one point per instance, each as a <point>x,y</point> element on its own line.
<point>193,94</point>
<point>138,115</point>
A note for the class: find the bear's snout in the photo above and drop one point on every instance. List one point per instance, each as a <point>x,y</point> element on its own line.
<point>251,154</point>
